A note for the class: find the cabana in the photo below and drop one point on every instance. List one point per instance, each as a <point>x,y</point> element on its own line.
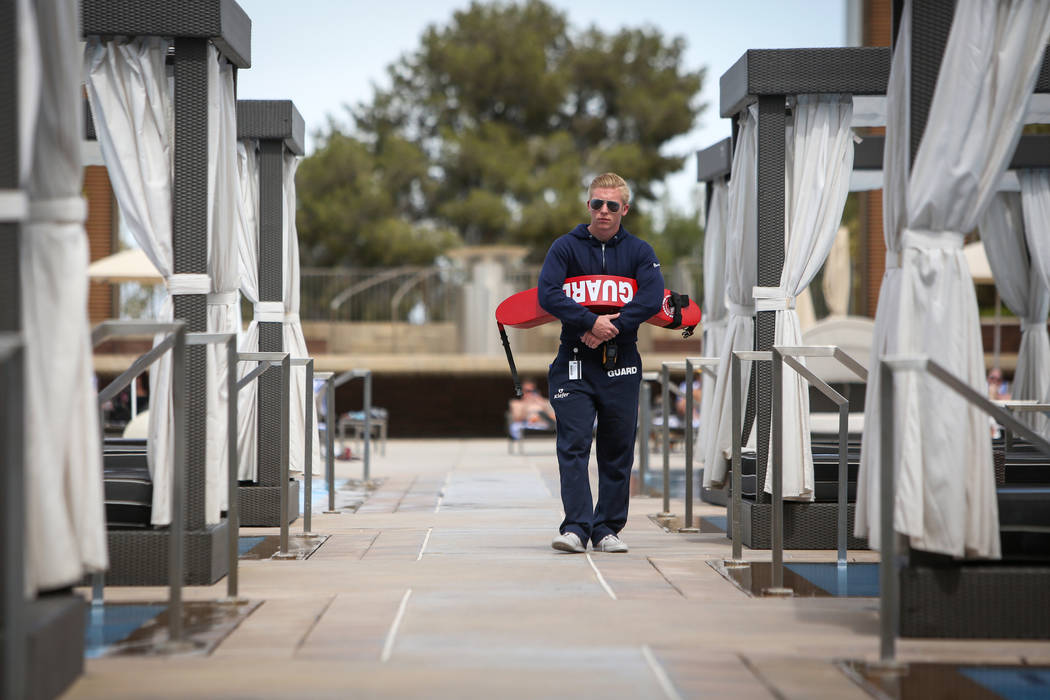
<point>53,532</point>
<point>714,168</point>
<point>826,92</point>
<point>172,194</point>
<point>271,136</point>
<point>940,178</point>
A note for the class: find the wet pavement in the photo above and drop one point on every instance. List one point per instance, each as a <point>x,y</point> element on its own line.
<point>439,582</point>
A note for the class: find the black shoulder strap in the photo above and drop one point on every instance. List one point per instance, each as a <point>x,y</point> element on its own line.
<point>678,303</point>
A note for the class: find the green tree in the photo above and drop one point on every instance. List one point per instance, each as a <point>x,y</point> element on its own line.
<point>489,131</point>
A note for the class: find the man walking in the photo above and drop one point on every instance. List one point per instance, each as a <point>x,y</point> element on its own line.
<point>598,371</point>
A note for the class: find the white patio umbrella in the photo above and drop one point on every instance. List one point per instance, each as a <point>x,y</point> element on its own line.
<point>131,265</point>
<point>741,273</point>
<point>65,521</point>
<point>945,500</point>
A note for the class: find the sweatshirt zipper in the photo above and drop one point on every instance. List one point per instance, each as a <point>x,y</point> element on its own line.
<point>603,258</point>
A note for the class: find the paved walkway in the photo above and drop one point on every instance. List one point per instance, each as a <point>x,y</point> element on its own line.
<point>444,585</point>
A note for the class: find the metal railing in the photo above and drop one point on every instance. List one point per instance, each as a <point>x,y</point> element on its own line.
<point>174,340</point>
<point>331,420</point>
<point>889,579</point>
<point>736,430</point>
<point>790,355</point>
<point>233,517</point>
<point>283,360</point>
<point>704,364</point>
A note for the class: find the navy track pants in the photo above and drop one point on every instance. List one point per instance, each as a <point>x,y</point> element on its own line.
<point>611,396</point>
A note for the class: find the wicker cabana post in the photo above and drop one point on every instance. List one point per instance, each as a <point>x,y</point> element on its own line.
<point>138,557</point>
<point>279,129</point>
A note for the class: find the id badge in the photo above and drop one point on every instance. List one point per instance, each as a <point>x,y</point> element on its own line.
<point>574,369</point>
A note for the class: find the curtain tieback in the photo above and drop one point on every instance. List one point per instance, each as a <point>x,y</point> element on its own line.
<point>740,309</point>
<point>893,259</point>
<point>931,240</point>
<point>63,210</point>
<point>223,298</point>
<point>183,283</point>
<point>291,317</point>
<point>1028,323</point>
<point>772,299</point>
<point>269,312</point>
<point>14,205</point>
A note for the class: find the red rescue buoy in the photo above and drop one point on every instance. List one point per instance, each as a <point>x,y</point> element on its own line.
<point>601,294</point>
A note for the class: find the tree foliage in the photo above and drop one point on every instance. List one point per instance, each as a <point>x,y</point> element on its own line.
<point>489,132</point>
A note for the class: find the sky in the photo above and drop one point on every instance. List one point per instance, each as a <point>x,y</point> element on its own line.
<point>326,54</point>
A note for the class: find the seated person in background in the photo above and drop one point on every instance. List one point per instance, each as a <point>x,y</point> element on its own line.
<point>531,412</point>
<point>998,388</point>
<point>679,405</point>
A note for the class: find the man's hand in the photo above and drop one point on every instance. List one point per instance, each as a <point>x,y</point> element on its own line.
<point>590,340</point>
<point>603,328</point>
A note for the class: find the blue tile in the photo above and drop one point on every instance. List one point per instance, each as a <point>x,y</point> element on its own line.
<point>1014,683</point>
<point>858,579</point>
<point>247,544</point>
<point>109,624</point>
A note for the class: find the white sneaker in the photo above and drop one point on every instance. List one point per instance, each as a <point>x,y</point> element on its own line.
<point>568,542</point>
<point>612,544</point>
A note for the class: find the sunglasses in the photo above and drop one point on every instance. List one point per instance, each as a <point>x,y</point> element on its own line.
<point>596,205</point>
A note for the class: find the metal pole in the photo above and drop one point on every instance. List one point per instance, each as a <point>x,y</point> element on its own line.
<point>665,402</point>
<point>687,428</point>
<point>368,426</point>
<point>843,524</point>
<point>233,510</point>
<point>330,420</point>
<point>285,415</point>
<point>645,423</point>
<point>736,486</point>
<point>889,603</point>
<point>777,588</point>
<point>308,458</point>
<point>178,496</point>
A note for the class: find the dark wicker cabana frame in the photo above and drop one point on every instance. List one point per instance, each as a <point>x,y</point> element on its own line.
<point>938,597</point>
<point>280,129</point>
<point>140,557</point>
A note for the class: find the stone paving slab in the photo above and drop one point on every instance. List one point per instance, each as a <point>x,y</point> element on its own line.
<point>443,584</point>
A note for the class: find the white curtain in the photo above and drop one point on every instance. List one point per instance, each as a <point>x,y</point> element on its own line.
<point>224,300</point>
<point>1024,292</point>
<point>65,518</point>
<point>741,271</point>
<point>1035,203</point>
<point>247,224</point>
<point>130,92</point>
<point>715,311</point>
<point>945,500</point>
<point>819,160</point>
<point>294,340</point>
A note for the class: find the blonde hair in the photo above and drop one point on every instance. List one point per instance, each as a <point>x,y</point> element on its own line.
<point>611,181</point>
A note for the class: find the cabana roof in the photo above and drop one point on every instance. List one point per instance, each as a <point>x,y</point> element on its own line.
<point>223,22</point>
<point>715,161</point>
<point>854,70</point>
<point>272,120</point>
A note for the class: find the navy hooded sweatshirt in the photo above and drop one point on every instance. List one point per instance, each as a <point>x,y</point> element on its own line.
<point>579,253</point>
